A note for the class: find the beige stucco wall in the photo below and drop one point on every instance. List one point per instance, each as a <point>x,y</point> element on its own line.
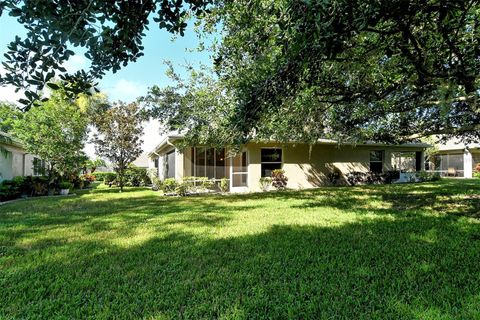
<point>17,163</point>
<point>305,166</point>
<point>308,166</point>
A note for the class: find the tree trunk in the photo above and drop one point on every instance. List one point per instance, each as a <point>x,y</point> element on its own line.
<point>120,179</point>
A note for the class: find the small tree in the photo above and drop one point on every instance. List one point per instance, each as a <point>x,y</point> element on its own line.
<point>55,131</point>
<point>118,138</point>
<point>93,164</point>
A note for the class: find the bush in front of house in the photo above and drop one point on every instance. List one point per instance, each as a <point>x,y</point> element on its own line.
<point>64,185</point>
<point>265,183</point>
<point>105,177</point>
<point>476,171</point>
<point>279,179</point>
<point>169,185</point>
<point>424,176</point>
<point>136,177</point>
<point>192,185</point>
<point>361,178</point>
<point>224,185</point>
<point>24,186</point>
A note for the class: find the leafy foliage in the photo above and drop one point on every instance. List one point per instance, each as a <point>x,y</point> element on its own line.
<point>8,115</point>
<point>55,131</point>
<point>118,137</point>
<point>387,71</point>
<point>383,70</point>
<point>110,31</point>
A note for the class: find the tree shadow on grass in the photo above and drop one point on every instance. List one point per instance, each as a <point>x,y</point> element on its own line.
<point>453,197</point>
<point>423,267</point>
<point>117,216</point>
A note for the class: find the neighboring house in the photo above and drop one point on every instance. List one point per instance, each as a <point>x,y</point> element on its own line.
<point>305,166</point>
<point>16,161</point>
<point>454,158</point>
<point>142,161</point>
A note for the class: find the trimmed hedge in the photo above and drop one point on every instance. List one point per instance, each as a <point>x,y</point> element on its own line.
<point>104,176</point>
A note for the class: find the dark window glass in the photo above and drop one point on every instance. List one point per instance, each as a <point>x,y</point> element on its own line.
<point>267,168</point>
<point>210,154</point>
<point>271,155</point>
<point>376,161</point>
<point>376,155</point>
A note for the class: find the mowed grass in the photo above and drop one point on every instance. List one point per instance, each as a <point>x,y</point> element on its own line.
<point>386,252</point>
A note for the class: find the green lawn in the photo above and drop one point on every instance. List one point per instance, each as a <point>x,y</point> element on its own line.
<point>386,252</point>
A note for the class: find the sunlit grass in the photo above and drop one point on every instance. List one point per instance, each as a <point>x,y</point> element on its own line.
<point>397,251</point>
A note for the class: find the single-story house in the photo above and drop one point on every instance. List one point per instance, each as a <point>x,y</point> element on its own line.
<point>15,161</point>
<point>306,166</point>
<point>141,161</point>
<point>454,158</point>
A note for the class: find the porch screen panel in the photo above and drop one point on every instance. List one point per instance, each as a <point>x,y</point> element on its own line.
<point>171,165</point>
<point>200,162</point>
<point>210,163</point>
<point>220,164</point>
<point>239,170</point>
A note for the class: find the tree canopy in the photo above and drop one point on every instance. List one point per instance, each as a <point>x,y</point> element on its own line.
<point>110,31</point>
<point>55,131</point>
<point>118,136</point>
<point>390,70</point>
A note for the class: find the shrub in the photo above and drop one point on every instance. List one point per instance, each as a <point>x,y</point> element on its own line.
<point>106,177</point>
<point>334,176</point>
<point>224,185</point>
<point>85,181</point>
<point>208,184</point>
<point>169,185</point>
<point>137,177</point>
<point>182,188</point>
<point>425,176</point>
<point>279,180</point>
<point>65,185</point>
<point>476,172</point>
<point>156,183</point>
<point>11,189</point>
<point>355,177</point>
<point>265,183</point>
<point>27,186</point>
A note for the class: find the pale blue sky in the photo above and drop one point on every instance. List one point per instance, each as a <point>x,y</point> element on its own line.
<point>131,81</point>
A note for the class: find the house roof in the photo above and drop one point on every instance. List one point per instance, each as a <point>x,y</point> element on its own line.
<point>142,161</point>
<point>8,139</point>
<point>169,139</point>
<point>456,145</point>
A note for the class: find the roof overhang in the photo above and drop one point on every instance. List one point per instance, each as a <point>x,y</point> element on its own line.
<point>166,142</point>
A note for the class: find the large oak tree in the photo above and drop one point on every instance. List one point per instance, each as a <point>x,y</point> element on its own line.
<point>389,70</point>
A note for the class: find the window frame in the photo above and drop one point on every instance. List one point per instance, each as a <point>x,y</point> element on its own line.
<point>282,154</point>
<point>381,161</point>
<point>214,153</point>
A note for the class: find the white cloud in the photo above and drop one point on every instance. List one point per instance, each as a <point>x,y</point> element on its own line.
<point>75,63</point>
<point>126,90</point>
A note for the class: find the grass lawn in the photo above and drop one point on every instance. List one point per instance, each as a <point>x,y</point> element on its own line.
<point>386,252</point>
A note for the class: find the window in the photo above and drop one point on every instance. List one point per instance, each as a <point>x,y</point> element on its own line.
<point>38,167</point>
<point>209,162</point>
<point>271,159</point>
<point>376,161</point>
